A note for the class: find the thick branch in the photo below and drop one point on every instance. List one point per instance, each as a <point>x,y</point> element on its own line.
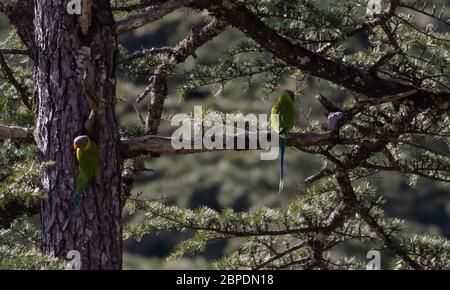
<point>198,36</point>
<point>358,80</point>
<point>158,94</point>
<point>151,144</point>
<point>158,83</point>
<point>18,134</point>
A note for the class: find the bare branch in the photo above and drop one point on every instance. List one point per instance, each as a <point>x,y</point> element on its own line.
<point>318,175</point>
<point>198,36</point>
<point>140,53</point>
<point>150,15</point>
<point>16,51</point>
<point>158,93</point>
<point>327,104</point>
<point>150,144</point>
<point>18,134</point>
<point>391,98</point>
<point>158,82</point>
<point>133,7</point>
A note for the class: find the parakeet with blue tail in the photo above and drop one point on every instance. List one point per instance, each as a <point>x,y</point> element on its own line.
<point>282,120</point>
<point>88,158</point>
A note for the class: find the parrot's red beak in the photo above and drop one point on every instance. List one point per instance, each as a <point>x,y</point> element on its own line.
<point>75,147</point>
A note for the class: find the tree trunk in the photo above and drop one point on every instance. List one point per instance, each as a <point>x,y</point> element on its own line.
<point>95,229</point>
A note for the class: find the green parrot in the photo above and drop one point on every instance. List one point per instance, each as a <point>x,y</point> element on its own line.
<point>88,166</point>
<point>282,120</point>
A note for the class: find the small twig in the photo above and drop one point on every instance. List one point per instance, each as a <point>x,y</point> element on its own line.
<point>141,118</point>
<point>426,148</point>
<point>16,51</point>
<point>327,104</point>
<point>149,15</point>
<point>133,7</point>
<point>317,176</point>
<point>390,98</point>
<point>384,59</point>
<point>143,52</point>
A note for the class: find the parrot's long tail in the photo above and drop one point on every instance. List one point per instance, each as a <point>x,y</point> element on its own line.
<point>282,149</point>
<point>75,203</point>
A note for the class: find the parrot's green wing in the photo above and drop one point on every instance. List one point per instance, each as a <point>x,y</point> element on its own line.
<point>287,116</point>
<point>89,161</point>
<point>284,107</point>
<point>81,184</point>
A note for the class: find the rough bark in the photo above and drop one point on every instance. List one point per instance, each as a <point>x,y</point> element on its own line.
<point>63,55</point>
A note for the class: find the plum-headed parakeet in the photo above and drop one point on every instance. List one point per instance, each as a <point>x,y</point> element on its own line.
<point>282,120</point>
<point>88,165</point>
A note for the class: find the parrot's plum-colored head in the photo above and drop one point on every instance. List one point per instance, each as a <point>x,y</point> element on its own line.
<point>290,94</point>
<point>80,142</point>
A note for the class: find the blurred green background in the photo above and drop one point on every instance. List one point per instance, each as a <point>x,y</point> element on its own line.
<point>240,180</point>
